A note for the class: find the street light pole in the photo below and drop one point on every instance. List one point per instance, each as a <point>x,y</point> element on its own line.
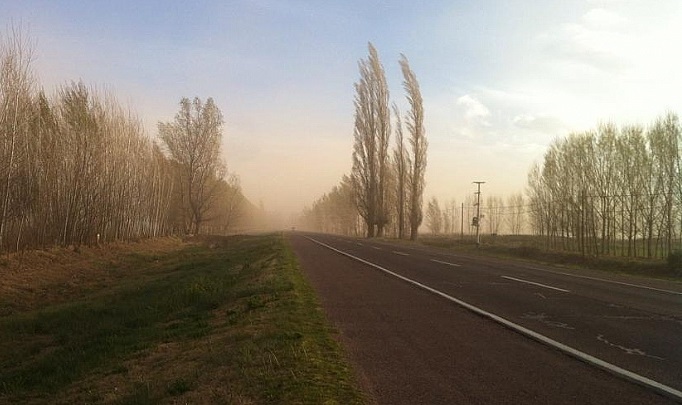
<point>478,212</point>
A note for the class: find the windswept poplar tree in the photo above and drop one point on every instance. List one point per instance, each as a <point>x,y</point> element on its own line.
<point>401,164</point>
<point>193,142</point>
<point>371,133</point>
<point>419,144</point>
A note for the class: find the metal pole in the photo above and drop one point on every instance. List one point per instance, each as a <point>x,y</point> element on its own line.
<point>478,212</point>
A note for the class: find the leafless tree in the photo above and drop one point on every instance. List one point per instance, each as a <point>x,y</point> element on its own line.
<point>193,143</point>
<point>434,216</point>
<point>611,191</point>
<point>334,212</point>
<point>494,209</point>
<point>455,219</point>
<point>402,164</point>
<point>515,213</point>
<point>77,168</point>
<point>419,144</point>
<point>371,139</point>
<point>16,88</point>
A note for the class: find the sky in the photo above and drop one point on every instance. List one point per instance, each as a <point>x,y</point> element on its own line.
<point>500,79</point>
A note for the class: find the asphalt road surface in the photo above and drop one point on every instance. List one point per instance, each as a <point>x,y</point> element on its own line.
<point>423,325</point>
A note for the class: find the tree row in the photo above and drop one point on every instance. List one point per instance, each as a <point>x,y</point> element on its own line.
<point>611,191</point>
<point>384,192</point>
<point>77,167</point>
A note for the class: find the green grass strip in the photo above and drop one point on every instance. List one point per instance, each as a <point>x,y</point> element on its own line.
<point>242,324</point>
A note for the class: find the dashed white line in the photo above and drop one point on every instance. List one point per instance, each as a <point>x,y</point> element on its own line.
<point>376,247</point>
<point>612,368</point>
<point>534,283</point>
<point>401,253</point>
<point>446,263</point>
<point>606,281</point>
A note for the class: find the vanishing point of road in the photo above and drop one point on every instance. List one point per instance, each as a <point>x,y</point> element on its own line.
<point>426,326</point>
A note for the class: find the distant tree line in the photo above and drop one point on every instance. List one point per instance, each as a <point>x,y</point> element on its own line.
<point>383,193</point>
<point>452,219</point>
<point>77,168</point>
<point>611,191</point>
<point>608,191</point>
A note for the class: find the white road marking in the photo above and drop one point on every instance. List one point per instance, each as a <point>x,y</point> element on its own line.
<point>628,350</point>
<point>376,247</point>
<point>401,253</point>
<point>448,263</point>
<point>534,283</point>
<point>612,368</point>
<point>359,244</point>
<point>544,318</point>
<point>606,281</point>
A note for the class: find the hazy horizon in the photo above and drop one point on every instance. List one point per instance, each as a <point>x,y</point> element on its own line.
<point>500,80</point>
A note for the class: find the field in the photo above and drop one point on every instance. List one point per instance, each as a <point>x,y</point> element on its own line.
<point>531,248</point>
<point>216,320</point>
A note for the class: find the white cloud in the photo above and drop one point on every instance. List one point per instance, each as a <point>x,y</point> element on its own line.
<point>579,44</point>
<point>473,109</point>
<point>600,18</point>
<point>545,124</point>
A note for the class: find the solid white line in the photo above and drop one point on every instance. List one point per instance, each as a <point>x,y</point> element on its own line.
<point>606,281</point>
<point>449,264</point>
<point>612,368</point>
<point>534,283</point>
<point>401,253</point>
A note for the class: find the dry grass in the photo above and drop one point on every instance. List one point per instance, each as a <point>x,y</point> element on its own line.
<point>35,279</point>
<point>531,248</point>
<point>217,320</point>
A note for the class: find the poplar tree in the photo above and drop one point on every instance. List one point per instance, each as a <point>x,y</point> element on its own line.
<point>371,135</point>
<point>401,164</point>
<point>418,143</point>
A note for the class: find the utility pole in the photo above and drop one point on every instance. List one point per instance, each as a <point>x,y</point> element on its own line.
<point>478,212</point>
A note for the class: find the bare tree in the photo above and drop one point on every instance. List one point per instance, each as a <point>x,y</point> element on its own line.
<point>78,168</point>
<point>611,191</point>
<point>495,211</point>
<point>515,213</point>
<point>434,216</point>
<point>232,201</point>
<point>16,88</point>
<point>419,144</point>
<point>334,212</point>
<point>401,163</point>
<point>370,150</point>
<point>193,142</point>
<point>454,217</point>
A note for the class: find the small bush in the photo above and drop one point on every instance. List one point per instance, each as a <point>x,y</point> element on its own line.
<point>675,261</point>
<point>526,252</point>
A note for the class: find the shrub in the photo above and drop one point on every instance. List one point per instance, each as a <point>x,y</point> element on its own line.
<point>675,261</point>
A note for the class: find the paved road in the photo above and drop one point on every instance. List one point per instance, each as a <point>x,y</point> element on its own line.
<point>412,345</point>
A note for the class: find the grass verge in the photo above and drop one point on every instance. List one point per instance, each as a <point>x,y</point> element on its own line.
<point>224,320</point>
<point>525,247</point>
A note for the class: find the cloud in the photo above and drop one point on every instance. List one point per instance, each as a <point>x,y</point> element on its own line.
<point>598,41</point>
<point>541,123</point>
<point>602,19</point>
<point>473,110</point>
